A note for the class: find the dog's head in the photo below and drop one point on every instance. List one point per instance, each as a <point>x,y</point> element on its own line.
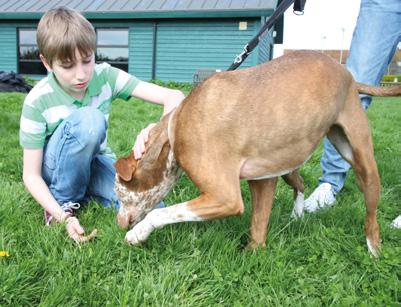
<point>142,184</point>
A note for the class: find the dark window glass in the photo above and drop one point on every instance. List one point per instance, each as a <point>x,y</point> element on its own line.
<point>112,47</point>
<point>28,53</point>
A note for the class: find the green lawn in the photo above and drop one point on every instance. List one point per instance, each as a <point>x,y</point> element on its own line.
<point>320,260</point>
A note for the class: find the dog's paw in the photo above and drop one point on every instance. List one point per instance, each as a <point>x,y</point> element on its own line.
<point>297,214</point>
<point>299,209</point>
<point>139,233</point>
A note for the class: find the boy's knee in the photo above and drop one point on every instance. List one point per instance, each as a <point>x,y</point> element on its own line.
<point>88,125</point>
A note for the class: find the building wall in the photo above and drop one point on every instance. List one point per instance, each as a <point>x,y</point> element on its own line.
<point>265,47</point>
<point>182,46</point>
<point>8,47</point>
<point>141,50</point>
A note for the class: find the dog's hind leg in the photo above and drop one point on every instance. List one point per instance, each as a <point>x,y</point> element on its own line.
<point>294,180</point>
<point>351,137</point>
<point>262,193</point>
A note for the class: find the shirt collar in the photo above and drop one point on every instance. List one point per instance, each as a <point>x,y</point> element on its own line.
<point>95,86</point>
<point>54,84</point>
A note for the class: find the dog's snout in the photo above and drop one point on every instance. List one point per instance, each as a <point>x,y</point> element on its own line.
<point>122,220</point>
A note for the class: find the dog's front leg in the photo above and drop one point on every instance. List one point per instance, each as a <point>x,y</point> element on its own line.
<point>159,218</point>
<point>205,207</point>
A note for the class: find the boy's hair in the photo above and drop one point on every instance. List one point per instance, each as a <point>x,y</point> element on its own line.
<point>61,31</point>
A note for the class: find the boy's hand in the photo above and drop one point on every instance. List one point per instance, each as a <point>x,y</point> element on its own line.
<point>141,140</point>
<point>76,232</point>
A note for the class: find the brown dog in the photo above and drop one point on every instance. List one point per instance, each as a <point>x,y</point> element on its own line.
<point>255,124</point>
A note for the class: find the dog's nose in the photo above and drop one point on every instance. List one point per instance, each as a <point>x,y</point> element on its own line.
<point>122,221</point>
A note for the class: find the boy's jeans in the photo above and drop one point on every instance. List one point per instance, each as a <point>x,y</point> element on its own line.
<point>374,42</point>
<point>72,166</point>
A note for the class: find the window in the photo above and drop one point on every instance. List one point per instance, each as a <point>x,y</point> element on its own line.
<point>112,47</point>
<point>28,53</point>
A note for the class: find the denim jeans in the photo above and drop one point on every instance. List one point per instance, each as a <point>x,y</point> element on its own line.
<point>374,42</point>
<point>72,166</point>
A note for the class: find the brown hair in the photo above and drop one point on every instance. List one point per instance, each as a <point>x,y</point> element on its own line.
<point>61,31</point>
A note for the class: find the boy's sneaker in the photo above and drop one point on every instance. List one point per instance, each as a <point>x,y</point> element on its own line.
<point>396,223</point>
<point>321,197</point>
<point>68,207</point>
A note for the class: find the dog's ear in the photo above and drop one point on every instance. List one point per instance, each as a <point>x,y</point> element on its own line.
<point>125,168</point>
<point>158,138</point>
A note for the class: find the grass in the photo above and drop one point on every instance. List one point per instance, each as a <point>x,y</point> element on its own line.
<point>320,260</point>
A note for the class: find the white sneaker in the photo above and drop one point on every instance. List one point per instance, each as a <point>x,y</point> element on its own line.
<point>321,197</point>
<point>396,223</point>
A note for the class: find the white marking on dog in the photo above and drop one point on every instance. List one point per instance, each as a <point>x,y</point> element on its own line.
<point>298,210</point>
<point>371,249</point>
<point>159,218</point>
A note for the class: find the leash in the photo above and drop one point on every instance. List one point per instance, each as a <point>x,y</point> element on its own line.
<point>283,6</point>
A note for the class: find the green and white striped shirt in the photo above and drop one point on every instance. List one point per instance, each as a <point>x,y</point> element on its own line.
<point>47,104</point>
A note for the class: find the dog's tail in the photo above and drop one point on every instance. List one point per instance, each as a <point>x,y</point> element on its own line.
<point>379,91</point>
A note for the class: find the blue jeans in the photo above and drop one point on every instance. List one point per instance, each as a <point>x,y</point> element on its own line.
<point>72,166</point>
<point>374,42</point>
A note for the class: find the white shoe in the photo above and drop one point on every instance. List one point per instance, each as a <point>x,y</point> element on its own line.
<point>321,197</point>
<point>396,223</point>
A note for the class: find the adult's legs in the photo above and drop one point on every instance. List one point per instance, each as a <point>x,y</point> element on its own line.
<point>374,42</point>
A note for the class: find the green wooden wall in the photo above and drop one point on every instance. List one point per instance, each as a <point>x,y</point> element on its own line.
<point>141,50</point>
<point>8,47</point>
<point>182,46</point>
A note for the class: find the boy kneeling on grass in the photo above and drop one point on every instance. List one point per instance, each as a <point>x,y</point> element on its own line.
<point>64,120</point>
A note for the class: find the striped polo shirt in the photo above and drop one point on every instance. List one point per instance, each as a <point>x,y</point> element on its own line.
<point>47,104</point>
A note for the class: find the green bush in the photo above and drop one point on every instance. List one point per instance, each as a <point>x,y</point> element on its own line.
<point>184,86</point>
<point>391,78</point>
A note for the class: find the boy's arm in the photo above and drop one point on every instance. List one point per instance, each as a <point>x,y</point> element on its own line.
<point>32,176</point>
<point>169,98</point>
<point>32,170</point>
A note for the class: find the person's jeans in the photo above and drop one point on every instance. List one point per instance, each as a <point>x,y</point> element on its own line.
<point>72,166</point>
<point>374,42</point>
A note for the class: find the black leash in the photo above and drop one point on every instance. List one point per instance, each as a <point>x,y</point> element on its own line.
<point>283,6</point>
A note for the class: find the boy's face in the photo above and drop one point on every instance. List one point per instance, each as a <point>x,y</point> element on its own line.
<point>73,77</point>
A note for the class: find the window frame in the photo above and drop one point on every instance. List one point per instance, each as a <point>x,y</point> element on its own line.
<point>121,64</point>
<point>21,45</point>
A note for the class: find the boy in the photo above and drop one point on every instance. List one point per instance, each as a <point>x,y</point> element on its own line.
<point>63,128</point>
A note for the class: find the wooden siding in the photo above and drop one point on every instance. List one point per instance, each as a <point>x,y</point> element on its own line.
<point>8,55</point>
<point>141,50</point>
<point>264,47</point>
<point>184,47</point>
